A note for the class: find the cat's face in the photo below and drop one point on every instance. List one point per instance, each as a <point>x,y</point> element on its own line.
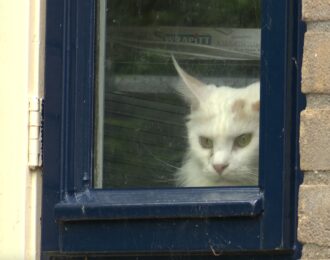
<point>223,130</point>
<point>223,134</point>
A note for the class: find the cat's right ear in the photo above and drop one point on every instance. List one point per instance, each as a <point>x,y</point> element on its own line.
<point>193,90</point>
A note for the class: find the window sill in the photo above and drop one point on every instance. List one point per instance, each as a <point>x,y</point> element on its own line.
<point>161,203</point>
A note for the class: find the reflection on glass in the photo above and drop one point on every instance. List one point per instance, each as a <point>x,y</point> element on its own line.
<point>177,93</point>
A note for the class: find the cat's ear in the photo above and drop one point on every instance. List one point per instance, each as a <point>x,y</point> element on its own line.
<point>193,90</point>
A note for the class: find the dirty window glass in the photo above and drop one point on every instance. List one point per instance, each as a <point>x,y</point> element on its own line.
<point>177,93</point>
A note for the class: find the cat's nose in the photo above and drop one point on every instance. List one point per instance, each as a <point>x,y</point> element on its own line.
<point>220,167</point>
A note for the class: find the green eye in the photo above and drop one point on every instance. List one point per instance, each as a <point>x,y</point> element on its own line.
<point>205,142</point>
<point>243,140</point>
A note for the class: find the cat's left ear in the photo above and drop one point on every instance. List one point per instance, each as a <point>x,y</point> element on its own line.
<point>194,91</point>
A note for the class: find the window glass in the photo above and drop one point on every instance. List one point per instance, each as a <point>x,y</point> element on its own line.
<point>177,93</point>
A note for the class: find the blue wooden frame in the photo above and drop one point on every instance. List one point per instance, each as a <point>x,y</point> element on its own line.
<point>243,220</point>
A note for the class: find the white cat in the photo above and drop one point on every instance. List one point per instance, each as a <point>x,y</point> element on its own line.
<point>223,134</point>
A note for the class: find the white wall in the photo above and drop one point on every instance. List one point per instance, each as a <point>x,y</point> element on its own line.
<point>21,70</point>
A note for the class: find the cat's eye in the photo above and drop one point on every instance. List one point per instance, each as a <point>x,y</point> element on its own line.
<point>242,140</point>
<point>206,142</point>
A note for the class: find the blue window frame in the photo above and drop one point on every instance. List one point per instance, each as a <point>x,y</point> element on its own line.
<point>80,220</point>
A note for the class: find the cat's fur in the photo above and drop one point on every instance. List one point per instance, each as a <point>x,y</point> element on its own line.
<point>221,114</point>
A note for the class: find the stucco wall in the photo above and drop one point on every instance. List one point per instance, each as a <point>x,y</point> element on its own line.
<point>314,195</point>
<point>21,71</point>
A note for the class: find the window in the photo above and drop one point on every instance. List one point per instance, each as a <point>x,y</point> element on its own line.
<point>141,107</point>
<point>101,75</point>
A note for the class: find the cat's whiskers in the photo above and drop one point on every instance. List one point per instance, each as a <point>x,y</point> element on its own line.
<point>158,159</point>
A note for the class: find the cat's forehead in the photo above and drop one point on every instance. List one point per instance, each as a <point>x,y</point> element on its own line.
<point>227,110</point>
<point>226,100</point>
<point>236,115</point>
<point>231,94</point>
<point>242,108</point>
